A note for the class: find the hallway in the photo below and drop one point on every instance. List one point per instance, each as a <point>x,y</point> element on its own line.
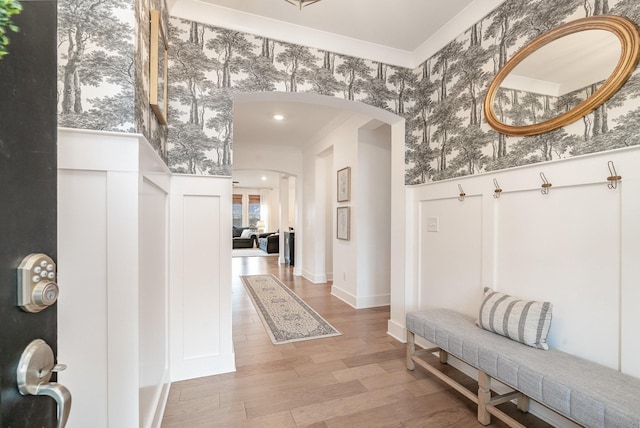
<point>358,379</point>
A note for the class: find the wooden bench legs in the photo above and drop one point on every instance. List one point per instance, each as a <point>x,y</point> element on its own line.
<point>484,397</point>
<point>411,350</point>
<point>486,403</point>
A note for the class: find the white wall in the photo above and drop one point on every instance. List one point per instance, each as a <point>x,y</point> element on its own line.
<point>328,236</point>
<point>577,247</point>
<point>360,267</point>
<point>271,198</point>
<point>335,150</point>
<point>345,253</point>
<point>373,216</point>
<point>112,258</point>
<point>283,215</point>
<point>293,202</point>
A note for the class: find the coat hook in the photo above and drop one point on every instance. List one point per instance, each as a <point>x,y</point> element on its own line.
<point>462,194</point>
<point>614,177</point>
<point>545,184</point>
<point>496,193</point>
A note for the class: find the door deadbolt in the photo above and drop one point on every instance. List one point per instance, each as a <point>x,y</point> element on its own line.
<point>37,288</point>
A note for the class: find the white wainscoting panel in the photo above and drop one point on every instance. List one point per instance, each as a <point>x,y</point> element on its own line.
<point>455,224</point>
<point>201,269</point>
<point>112,259</point>
<point>630,266</point>
<point>564,247</point>
<point>153,299</point>
<point>82,305</point>
<point>200,304</point>
<point>577,246</point>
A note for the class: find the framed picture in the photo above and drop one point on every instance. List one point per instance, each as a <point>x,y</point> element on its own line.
<point>344,184</point>
<point>159,68</point>
<point>342,222</point>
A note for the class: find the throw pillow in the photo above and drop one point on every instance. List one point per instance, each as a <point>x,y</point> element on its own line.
<point>246,233</point>
<point>524,321</point>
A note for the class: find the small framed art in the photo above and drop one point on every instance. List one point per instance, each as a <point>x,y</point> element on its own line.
<point>344,184</point>
<point>342,222</point>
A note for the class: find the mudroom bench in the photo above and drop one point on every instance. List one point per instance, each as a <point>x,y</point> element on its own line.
<point>582,391</point>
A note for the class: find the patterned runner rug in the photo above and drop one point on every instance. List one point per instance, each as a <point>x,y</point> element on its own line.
<point>286,317</point>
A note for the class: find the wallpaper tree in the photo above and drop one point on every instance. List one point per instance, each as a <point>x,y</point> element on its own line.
<point>97,50</point>
<point>103,86</point>
<point>210,65</point>
<point>451,137</point>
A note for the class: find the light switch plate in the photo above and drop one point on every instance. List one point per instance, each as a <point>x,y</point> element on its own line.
<point>433,224</point>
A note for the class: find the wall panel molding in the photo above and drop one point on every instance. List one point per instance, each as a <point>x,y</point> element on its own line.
<point>577,247</point>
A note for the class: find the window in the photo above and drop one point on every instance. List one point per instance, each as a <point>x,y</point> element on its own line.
<point>246,215</point>
<point>254,210</point>
<point>237,210</point>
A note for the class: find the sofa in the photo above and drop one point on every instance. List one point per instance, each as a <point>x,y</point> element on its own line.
<point>244,237</point>
<point>269,242</point>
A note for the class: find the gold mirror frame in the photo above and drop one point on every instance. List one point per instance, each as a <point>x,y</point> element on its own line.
<point>158,37</point>
<point>627,34</point>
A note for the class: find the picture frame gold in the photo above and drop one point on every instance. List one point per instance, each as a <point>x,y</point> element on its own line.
<point>343,221</point>
<point>344,184</point>
<point>159,68</point>
<point>626,32</point>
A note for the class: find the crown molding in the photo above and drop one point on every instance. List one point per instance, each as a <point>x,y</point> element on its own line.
<point>218,16</point>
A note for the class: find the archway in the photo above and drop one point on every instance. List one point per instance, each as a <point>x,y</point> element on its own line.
<point>255,110</point>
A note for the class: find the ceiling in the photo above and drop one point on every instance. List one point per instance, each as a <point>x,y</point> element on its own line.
<point>398,24</point>
<point>255,179</point>
<point>397,32</point>
<point>253,122</point>
<point>302,123</point>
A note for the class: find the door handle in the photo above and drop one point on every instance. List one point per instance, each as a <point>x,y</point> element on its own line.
<point>34,372</point>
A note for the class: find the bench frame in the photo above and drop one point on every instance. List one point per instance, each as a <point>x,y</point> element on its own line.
<point>486,403</point>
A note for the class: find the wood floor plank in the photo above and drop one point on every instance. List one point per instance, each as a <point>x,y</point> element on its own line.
<point>358,379</point>
<point>302,397</point>
<point>359,372</point>
<point>406,409</point>
<point>367,401</point>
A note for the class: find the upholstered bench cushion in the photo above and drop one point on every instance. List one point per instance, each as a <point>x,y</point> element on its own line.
<point>586,392</point>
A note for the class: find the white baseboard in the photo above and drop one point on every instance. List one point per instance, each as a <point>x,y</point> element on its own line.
<point>315,278</point>
<point>201,367</point>
<point>397,331</point>
<point>373,301</point>
<point>360,302</point>
<point>161,405</point>
<point>346,297</point>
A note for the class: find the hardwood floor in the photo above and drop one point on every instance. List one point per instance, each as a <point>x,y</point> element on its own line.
<point>358,379</point>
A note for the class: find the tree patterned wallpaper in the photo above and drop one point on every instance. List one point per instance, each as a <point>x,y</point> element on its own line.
<point>103,85</point>
<point>447,135</point>
<point>209,65</point>
<point>103,67</point>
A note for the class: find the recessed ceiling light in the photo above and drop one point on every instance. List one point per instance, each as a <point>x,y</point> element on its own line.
<point>264,178</point>
<point>278,117</point>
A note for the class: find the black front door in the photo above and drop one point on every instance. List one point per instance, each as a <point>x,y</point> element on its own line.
<point>27,197</point>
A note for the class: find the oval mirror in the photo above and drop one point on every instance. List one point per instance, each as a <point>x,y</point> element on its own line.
<point>562,75</point>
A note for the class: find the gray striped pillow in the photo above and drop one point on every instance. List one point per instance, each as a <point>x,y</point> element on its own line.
<point>525,321</point>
